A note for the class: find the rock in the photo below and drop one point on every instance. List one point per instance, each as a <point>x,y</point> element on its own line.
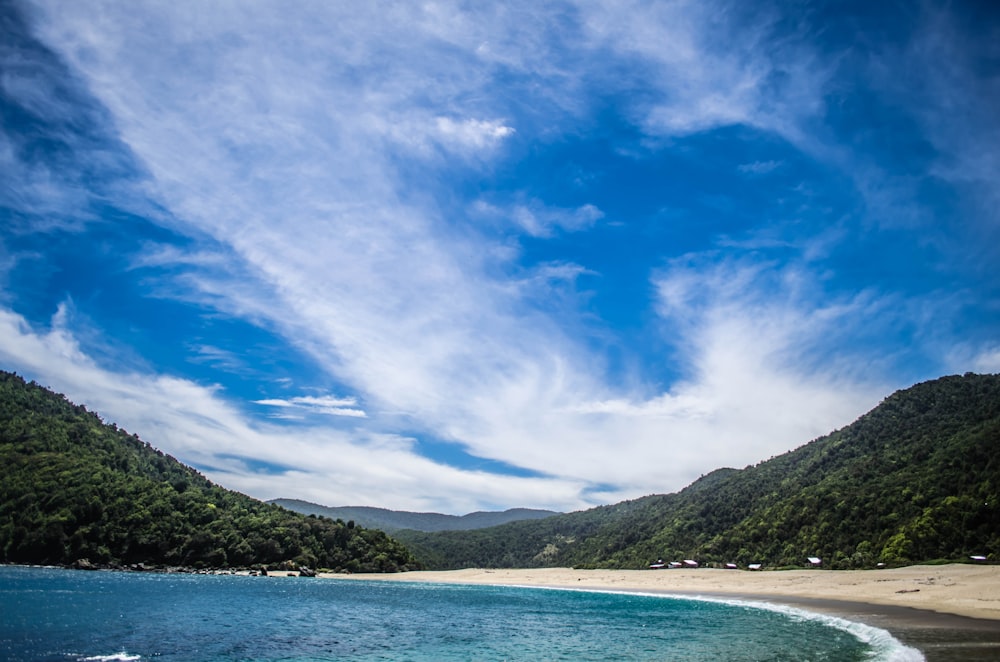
<point>84,564</point>
<point>306,572</point>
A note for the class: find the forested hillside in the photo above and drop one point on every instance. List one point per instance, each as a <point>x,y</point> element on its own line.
<point>72,487</point>
<point>395,520</point>
<point>915,479</point>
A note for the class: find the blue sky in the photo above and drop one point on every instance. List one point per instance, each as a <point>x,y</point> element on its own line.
<point>456,256</point>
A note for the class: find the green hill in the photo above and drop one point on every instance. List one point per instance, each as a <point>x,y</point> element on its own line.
<point>72,487</point>
<point>391,521</point>
<point>916,479</point>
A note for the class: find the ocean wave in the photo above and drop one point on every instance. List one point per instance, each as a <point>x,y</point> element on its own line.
<point>120,656</point>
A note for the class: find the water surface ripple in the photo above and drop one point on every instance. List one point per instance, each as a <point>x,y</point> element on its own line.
<point>54,614</point>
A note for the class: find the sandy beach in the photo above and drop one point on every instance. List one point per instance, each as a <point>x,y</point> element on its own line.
<point>950,612</point>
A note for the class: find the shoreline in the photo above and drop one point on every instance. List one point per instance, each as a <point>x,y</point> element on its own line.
<point>948,612</point>
<point>958,589</point>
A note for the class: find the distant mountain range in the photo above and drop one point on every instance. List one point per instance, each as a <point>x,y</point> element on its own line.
<point>391,521</point>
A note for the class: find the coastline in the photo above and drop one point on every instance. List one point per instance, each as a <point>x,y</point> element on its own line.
<point>948,612</point>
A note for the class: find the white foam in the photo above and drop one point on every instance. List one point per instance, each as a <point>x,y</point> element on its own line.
<point>887,647</point>
<point>121,656</point>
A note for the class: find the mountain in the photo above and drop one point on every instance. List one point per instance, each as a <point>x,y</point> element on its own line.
<point>74,488</point>
<point>916,479</point>
<point>392,521</point>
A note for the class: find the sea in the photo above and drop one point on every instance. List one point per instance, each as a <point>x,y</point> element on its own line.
<point>69,615</point>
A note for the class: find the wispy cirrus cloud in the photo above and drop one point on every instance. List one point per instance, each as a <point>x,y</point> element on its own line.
<point>536,219</point>
<point>472,132</point>
<point>328,405</point>
<point>759,167</point>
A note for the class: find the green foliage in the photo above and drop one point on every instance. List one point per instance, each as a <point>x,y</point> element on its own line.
<point>916,479</point>
<point>73,488</point>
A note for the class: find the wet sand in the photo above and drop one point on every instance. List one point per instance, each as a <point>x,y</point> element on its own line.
<point>949,612</point>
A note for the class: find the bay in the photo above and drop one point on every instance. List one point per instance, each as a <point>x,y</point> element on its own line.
<point>56,614</point>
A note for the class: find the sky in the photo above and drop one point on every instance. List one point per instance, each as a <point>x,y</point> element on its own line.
<point>459,256</point>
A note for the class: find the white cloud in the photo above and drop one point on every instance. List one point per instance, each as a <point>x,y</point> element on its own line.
<point>561,272</point>
<point>767,353</point>
<point>537,219</point>
<point>982,358</point>
<point>710,65</point>
<point>987,361</point>
<point>473,133</point>
<point>219,358</point>
<point>759,167</point>
<point>157,255</point>
<point>952,96</point>
<point>329,405</point>
<point>540,221</point>
<point>704,65</point>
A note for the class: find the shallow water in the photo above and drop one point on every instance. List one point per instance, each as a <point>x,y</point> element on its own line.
<point>54,614</point>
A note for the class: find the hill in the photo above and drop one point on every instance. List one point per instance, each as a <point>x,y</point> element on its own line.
<point>74,488</point>
<point>916,479</point>
<point>391,521</point>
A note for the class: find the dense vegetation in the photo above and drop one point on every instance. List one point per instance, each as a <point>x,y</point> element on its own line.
<point>916,479</point>
<point>72,487</point>
<point>391,521</point>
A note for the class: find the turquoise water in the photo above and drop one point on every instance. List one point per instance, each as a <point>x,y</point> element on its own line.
<point>54,614</point>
